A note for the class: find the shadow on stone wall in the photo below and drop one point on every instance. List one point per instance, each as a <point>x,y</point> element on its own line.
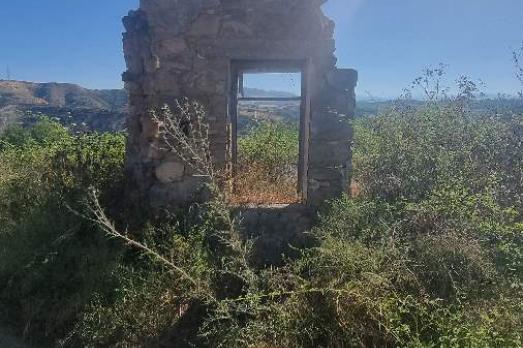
<point>279,231</point>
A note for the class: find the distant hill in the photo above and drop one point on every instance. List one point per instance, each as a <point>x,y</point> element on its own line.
<point>60,95</point>
<point>77,107</point>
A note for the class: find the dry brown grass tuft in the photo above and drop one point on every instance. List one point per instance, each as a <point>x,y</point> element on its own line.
<point>256,183</point>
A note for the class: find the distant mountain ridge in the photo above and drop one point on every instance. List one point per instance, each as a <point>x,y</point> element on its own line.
<point>79,108</point>
<point>60,95</point>
<point>261,93</point>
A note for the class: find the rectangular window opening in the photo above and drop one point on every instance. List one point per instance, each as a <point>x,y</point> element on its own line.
<point>268,150</point>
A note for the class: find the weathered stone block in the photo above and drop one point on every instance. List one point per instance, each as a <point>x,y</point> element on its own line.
<point>231,28</point>
<point>169,172</point>
<point>150,128</point>
<point>172,46</point>
<point>327,174</point>
<point>328,154</point>
<point>205,25</point>
<point>332,127</point>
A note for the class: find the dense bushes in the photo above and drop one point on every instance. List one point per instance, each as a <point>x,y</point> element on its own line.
<point>430,254</point>
<point>433,273</point>
<point>405,153</point>
<point>51,261</point>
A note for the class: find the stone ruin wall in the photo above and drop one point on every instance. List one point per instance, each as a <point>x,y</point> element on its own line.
<point>184,48</point>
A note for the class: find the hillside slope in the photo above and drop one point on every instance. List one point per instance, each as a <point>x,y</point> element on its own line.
<point>66,95</point>
<point>79,108</point>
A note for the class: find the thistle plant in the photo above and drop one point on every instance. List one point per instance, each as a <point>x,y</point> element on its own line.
<point>184,132</point>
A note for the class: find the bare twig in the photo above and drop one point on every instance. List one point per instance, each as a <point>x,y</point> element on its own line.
<point>101,219</point>
<point>431,83</point>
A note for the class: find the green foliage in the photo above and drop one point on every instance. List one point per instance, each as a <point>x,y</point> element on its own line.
<point>390,275</point>
<point>420,275</point>
<point>429,255</point>
<point>267,164</point>
<point>271,143</point>
<point>45,131</point>
<point>407,153</point>
<point>51,260</point>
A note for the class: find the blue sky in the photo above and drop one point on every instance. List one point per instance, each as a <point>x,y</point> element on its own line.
<point>388,41</point>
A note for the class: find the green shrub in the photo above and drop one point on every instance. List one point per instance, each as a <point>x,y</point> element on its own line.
<point>405,275</point>
<point>51,260</point>
<point>429,254</point>
<point>274,144</point>
<point>406,153</point>
<point>45,131</point>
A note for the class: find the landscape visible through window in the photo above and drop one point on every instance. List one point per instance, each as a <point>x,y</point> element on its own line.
<point>268,139</point>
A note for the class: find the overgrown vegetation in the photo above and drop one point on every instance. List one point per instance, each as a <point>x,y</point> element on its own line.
<point>429,254</point>
<point>51,261</point>
<point>268,164</point>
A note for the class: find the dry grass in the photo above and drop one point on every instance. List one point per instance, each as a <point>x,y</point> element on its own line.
<point>255,183</point>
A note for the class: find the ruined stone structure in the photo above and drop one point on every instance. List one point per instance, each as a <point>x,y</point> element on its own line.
<point>199,49</point>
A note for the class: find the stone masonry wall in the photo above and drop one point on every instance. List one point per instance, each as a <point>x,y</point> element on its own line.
<point>277,231</point>
<point>184,48</point>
